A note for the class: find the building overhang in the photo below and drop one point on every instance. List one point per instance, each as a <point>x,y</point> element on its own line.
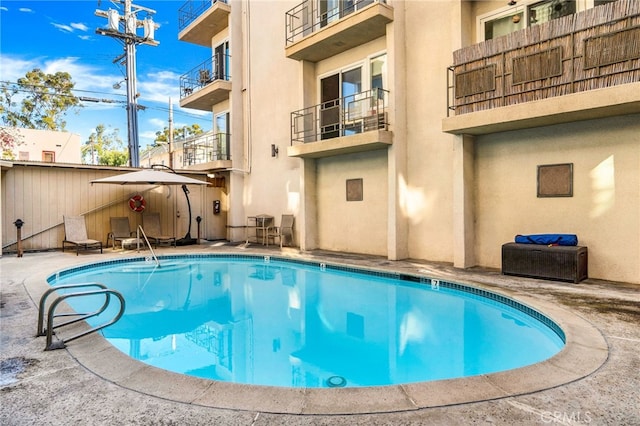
<point>362,142</point>
<point>589,105</point>
<point>212,21</point>
<point>353,30</point>
<point>211,94</point>
<point>210,166</point>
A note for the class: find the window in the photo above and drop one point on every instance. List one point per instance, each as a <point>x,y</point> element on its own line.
<point>221,151</point>
<point>347,97</point>
<point>48,156</point>
<point>551,9</point>
<point>332,10</point>
<point>23,155</point>
<point>221,64</point>
<point>522,15</point>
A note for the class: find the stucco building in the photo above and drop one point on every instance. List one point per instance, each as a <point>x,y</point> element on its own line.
<point>45,146</point>
<point>426,129</point>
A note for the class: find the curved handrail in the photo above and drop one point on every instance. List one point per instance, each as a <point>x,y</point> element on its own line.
<point>61,343</point>
<point>41,330</point>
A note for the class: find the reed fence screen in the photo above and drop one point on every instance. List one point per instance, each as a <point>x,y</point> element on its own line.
<point>594,49</point>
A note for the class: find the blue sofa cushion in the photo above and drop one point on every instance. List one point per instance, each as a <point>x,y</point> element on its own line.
<point>548,239</point>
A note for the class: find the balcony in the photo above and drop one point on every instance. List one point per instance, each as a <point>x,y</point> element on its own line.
<point>346,125</point>
<point>200,20</point>
<point>578,67</point>
<point>211,152</point>
<point>315,32</point>
<point>207,84</point>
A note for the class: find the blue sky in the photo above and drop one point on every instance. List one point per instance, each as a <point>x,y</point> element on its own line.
<point>61,36</point>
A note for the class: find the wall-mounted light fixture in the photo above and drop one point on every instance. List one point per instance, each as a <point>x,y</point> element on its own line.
<point>512,2</point>
<point>274,150</point>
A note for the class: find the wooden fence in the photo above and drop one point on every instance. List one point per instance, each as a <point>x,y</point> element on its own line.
<point>40,194</point>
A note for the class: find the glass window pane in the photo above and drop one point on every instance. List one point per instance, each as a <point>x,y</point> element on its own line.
<point>379,72</point>
<point>548,10</point>
<point>351,82</point>
<point>503,26</point>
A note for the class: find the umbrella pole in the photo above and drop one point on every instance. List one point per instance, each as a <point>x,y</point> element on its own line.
<point>187,240</point>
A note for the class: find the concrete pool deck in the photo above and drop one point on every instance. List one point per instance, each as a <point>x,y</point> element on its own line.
<point>595,380</point>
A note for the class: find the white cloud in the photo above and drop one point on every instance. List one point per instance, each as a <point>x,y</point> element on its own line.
<point>148,135</point>
<point>86,77</point>
<point>159,87</point>
<point>79,26</point>
<point>157,122</point>
<point>12,68</point>
<point>4,9</point>
<point>25,10</point>
<point>84,37</point>
<point>63,28</point>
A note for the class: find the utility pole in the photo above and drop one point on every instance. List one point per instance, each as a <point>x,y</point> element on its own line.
<point>170,134</point>
<point>124,28</point>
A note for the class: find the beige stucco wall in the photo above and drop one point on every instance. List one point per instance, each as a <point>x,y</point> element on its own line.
<point>603,211</point>
<point>271,184</point>
<point>427,193</point>
<point>353,226</point>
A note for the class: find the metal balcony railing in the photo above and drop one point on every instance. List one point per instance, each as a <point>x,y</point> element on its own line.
<point>312,15</point>
<point>190,11</point>
<point>593,49</point>
<point>358,113</point>
<point>213,147</point>
<point>215,68</point>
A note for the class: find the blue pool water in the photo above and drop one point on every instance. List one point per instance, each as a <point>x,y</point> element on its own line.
<point>265,321</point>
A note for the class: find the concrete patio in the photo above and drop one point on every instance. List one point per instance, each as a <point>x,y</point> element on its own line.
<point>595,381</point>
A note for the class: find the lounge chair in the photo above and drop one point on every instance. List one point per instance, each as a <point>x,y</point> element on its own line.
<point>285,230</point>
<point>151,226</point>
<point>75,233</point>
<point>120,231</point>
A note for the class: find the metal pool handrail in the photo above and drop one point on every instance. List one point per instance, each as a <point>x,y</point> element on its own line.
<point>48,331</point>
<point>153,254</point>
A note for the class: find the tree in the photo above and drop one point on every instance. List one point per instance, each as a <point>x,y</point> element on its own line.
<point>44,100</point>
<point>9,139</point>
<point>178,133</point>
<point>104,148</point>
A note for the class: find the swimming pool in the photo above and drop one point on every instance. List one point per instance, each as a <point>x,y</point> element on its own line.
<point>280,322</point>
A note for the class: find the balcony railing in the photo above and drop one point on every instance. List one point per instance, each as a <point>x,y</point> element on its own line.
<point>213,147</point>
<point>215,68</point>
<point>594,49</point>
<point>312,15</point>
<point>190,11</point>
<point>358,113</point>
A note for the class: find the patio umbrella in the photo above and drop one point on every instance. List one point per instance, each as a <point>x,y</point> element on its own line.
<point>157,177</point>
<point>150,177</point>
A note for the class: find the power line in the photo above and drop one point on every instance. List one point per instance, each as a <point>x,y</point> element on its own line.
<point>44,86</point>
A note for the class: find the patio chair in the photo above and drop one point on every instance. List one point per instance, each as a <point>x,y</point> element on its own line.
<point>151,226</point>
<point>120,231</point>
<point>285,230</point>
<point>75,234</point>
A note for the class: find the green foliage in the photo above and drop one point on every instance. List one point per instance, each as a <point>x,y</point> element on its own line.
<point>38,100</point>
<point>179,133</point>
<point>105,148</point>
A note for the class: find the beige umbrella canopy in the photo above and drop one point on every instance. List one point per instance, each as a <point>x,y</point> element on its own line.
<point>157,177</point>
<point>150,177</point>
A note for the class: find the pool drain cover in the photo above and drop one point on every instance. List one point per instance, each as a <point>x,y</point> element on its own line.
<point>336,382</point>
